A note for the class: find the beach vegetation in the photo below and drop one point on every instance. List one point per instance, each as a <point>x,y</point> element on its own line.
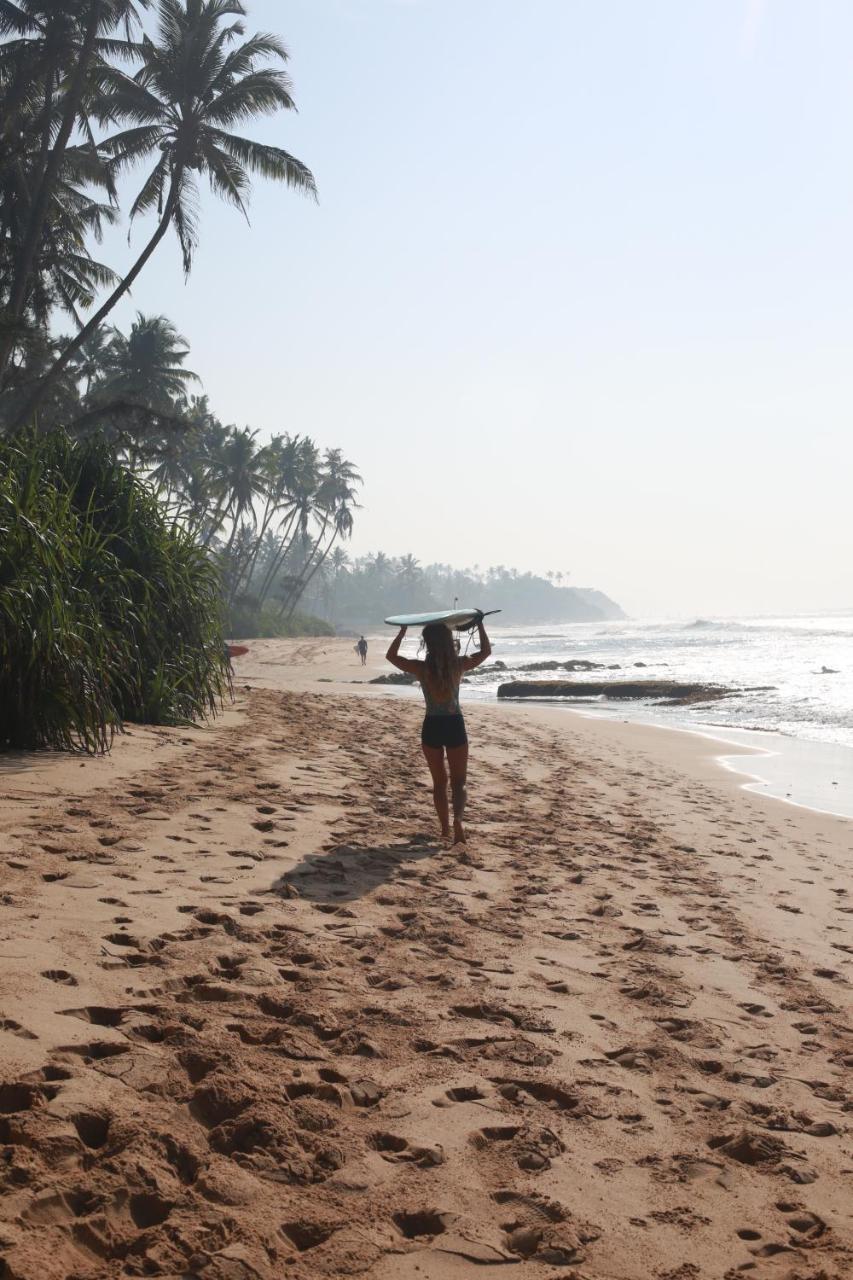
<point>109,610</point>
<point>134,525</point>
<point>89,93</point>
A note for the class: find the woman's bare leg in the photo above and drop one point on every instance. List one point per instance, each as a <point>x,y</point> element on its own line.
<point>435,759</point>
<point>457,759</point>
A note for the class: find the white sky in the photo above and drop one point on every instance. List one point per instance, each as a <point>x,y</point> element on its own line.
<point>577,294</point>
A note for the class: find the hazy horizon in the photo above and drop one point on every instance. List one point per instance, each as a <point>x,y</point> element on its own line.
<point>576,295</point>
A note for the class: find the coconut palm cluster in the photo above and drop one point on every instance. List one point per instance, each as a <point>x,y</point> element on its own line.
<point>89,94</point>
<point>270,512</point>
<point>135,527</point>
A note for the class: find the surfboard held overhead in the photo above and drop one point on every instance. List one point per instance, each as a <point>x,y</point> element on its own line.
<point>456,619</point>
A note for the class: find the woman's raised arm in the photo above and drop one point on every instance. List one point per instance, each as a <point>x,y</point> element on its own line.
<point>485,650</point>
<point>410,665</point>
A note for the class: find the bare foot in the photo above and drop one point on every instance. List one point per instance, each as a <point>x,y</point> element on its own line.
<point>458,833</point>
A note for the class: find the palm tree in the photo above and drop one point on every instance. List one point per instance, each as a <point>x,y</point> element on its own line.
<point>65,274</point>
<point>190,91</point>
<point>240,473</point>
<point>90,359</point>
<point>334,505</point>
<point>303,475</point>
<point>50,70</point>
<point>167,463</point>
<point>379,566</point>
<point>339,563</point>
<point>278,463</point>
<point>147,365</point>
<point>409,571</point>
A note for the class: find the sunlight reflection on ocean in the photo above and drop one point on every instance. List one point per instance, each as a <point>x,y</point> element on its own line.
<point>787,653</point>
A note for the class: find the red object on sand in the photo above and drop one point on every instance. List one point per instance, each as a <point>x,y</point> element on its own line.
<point>237,650</point>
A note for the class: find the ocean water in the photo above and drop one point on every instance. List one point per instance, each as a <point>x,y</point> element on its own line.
<point>786,653</point>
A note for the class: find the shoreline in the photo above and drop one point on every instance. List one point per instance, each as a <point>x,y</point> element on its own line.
<point>811,787</point>
<point>257,1020</point>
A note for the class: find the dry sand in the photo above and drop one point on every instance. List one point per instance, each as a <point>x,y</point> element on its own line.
<point>257,1022</point>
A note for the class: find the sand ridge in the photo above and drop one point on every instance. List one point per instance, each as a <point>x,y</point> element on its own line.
<point>257,1021</point>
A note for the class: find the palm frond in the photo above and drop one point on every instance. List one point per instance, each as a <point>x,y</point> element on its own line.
<point>266,160</point>
<point>260,92</point>
<point>151,193</point>
<point>241,61</point>
<point>227,177</point>
<point>185,219</point>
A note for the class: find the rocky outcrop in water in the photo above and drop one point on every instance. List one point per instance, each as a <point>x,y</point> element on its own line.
<point>671,693</point>
<point>573,664</point>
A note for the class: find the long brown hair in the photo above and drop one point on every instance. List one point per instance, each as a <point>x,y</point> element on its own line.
<point>442,661</point>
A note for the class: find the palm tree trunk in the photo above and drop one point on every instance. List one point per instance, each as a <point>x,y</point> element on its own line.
<point>247,571</point>
<point>278,559</point>
<point>303,585</point>
<point>28,412</point>
<point>234,527</point>
<point>44,189</point>
<point>302,582</point>
<point>216,521</point>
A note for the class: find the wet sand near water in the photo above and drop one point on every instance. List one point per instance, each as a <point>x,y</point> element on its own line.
<point>256,1021</point>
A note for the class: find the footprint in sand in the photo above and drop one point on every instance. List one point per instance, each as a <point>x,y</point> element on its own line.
<point>532,1149</point>
<point>15,1029</point>
<point>523,1092</point>
<point>60,975</point>
<point>461,1093</point>
<point>397,1150</point>
<point>97,1015</point>
<point>305,1236</point>
<point>423,1224</point>
<point>540,1229</point>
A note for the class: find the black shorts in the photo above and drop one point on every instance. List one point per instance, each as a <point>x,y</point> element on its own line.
<point>444,731</point>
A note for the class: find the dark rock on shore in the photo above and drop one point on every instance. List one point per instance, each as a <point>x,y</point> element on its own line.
<point>395,677</point>
<point>573,664</point>
<point>664,692</point>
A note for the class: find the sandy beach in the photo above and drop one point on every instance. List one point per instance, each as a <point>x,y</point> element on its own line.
<point>257,1022</point>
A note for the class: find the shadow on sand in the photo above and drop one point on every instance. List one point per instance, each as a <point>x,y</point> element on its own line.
<point>13,762</point>
<point>348,871</point>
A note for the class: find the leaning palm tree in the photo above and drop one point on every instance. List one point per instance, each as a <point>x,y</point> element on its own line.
<point>300,463</point>
<point>196,83</point>
<point>334,507</point>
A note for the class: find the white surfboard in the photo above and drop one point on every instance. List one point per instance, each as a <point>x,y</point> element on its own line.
<point>458,619</point>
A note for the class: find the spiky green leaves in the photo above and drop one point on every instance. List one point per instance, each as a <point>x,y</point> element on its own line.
<point>107,612</point>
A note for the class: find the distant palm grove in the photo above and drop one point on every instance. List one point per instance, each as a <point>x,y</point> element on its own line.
<point>355,594</point>
<point>111,111</point>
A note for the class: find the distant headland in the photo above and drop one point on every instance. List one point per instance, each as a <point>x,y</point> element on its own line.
<point>354,594</point>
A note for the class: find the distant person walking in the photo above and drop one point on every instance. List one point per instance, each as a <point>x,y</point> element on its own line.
<point>443,729</point>
<point>361,650</point>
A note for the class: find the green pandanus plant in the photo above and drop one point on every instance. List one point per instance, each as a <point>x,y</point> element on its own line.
<point>108,612</point>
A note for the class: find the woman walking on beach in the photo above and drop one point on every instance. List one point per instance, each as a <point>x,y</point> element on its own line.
<point>443,729</point>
